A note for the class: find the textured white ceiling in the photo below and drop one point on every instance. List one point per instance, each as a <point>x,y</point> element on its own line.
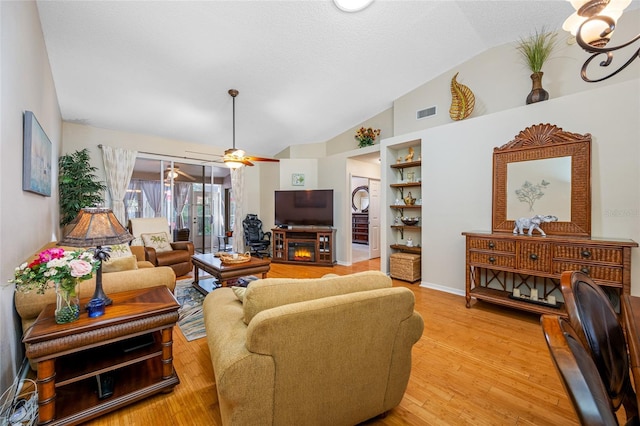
<point>306,71</point>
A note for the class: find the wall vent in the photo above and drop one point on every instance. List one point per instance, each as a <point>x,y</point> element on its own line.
<point>427,112</point>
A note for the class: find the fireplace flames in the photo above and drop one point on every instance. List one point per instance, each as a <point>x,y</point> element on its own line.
<point>302,254</point>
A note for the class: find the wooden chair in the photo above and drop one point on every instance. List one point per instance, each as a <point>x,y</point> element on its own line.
<point>578,373</point>
<point>597,326</point>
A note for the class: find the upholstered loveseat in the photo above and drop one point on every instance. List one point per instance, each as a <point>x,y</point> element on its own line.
<point>327,351</point>
<point>140,274</point>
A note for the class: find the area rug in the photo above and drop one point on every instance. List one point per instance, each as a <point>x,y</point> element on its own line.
<point>191,320</point>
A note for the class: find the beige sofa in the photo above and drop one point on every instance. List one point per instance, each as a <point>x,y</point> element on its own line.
<point>29,305</point>
<point>327,351</point>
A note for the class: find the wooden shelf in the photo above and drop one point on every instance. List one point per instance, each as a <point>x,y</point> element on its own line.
<point>405,248</point>
<point>414,206</point>
<point>406,227</point>
<point>407,164</point>
<point>500,297</point>
<point>131,383</point>
<point>81,365</point>
<point>405,185</point>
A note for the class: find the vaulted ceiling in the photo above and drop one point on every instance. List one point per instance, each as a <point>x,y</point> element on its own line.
<point>306,71</point>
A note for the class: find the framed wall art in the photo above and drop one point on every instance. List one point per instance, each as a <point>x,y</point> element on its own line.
<point>297,179</point>
<point>36,166</point>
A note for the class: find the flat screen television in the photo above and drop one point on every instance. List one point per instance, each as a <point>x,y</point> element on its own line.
<point>312,207</point>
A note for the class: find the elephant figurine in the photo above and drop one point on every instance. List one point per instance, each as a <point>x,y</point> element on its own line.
<point>532,223</point>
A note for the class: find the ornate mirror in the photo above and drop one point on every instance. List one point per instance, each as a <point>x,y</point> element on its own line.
<point>360,199</point>
<point>545,171</point>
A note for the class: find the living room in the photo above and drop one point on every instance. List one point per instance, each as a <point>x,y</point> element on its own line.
<point>456,156</point>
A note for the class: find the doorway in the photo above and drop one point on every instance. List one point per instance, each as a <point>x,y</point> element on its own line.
<point>365,218</point>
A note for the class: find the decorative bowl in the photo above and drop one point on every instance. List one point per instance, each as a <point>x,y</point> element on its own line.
<point>410,221</point>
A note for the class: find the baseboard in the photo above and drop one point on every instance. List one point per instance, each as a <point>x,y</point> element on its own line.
<point>442,288</point>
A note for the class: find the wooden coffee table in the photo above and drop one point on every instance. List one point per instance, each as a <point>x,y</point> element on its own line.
<point>223,273</point>
<point>131,342</point>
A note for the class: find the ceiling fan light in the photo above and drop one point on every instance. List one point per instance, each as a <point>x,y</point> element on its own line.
<point>232,164</point>
<point>172,175</point>
<point>352,5</point>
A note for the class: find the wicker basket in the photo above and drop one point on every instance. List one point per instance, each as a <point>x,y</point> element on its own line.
<point>405,266</point>
<point>234,259</point>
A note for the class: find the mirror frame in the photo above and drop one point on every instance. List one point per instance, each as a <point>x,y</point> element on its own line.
<point>538,142</point>
<point>353,194</point>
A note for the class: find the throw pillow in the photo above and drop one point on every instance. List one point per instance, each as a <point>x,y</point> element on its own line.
<point>239,291</point>
<point>159,241</point>
<point>118,264</point>
<point>119,250</point>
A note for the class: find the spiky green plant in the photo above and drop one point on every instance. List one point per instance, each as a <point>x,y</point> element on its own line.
<point>537,48</point>
<point>78,185</point>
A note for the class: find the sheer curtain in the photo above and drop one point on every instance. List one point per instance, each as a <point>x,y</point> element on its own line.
<point>152,190</point>
<point>181,191</point>
<point>118,165</point>
<point>237,186</point>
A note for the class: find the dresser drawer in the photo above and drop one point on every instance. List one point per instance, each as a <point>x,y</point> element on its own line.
<point>534,256</point>
<point>492,244</point>
<point>491,259</point>
<point>597,272</point>
<point>611,255</point>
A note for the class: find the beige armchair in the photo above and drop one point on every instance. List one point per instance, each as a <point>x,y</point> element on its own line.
<point>161,250</point>
<point>327,351</point>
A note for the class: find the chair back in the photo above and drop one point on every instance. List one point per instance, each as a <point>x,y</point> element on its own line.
<point>252,227</point>
<point>148,225</point>
<point>597,325</point>
<point>578,373</point>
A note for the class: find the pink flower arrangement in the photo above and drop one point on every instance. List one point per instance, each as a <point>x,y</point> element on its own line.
<point>55,266</point>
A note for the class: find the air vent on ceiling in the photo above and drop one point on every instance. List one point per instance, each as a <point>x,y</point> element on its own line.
<point>427,112</point>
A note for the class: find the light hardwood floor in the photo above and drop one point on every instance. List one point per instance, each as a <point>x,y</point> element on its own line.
<point>481,366</point>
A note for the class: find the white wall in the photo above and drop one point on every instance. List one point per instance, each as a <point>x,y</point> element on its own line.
<point>27,220</point>
<point>500,81</point>
<point>457,173</point>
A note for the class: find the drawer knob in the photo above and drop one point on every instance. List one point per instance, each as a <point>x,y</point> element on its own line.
<point>585,271</point>
<point>492,244</point>
<point>492,259</point>
<point>533,256</point>
<point>586,253</point>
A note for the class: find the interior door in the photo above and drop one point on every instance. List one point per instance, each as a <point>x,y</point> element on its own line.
<point>374,218</point>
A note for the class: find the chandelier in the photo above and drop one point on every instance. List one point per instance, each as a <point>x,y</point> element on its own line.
<point>593,24</point>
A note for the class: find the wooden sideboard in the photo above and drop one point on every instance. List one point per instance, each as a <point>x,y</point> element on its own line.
<point>496,263</point>
<point>360,228</point>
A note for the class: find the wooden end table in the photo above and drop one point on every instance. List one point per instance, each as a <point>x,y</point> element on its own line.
<point>223,273</point>
<point>132,342</point>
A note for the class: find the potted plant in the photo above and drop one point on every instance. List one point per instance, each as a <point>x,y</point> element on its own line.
<point>535,50</point>
<point>77,185</point>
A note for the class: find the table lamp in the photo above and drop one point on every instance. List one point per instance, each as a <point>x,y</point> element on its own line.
<point>95,227</point>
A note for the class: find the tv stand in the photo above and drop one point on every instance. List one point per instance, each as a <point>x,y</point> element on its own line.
<point>314,245</point>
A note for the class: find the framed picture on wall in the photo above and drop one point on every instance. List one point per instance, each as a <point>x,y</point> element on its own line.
<point>36,158</point>
<point>297,179</point>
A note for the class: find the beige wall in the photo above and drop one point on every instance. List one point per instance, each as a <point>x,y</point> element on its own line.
<point>457,174</point>
<point>27,220</point>
<point>457,155</point>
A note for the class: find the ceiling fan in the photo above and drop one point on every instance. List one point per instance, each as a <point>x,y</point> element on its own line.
<point>234,157</point>
<point>174,172</point>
